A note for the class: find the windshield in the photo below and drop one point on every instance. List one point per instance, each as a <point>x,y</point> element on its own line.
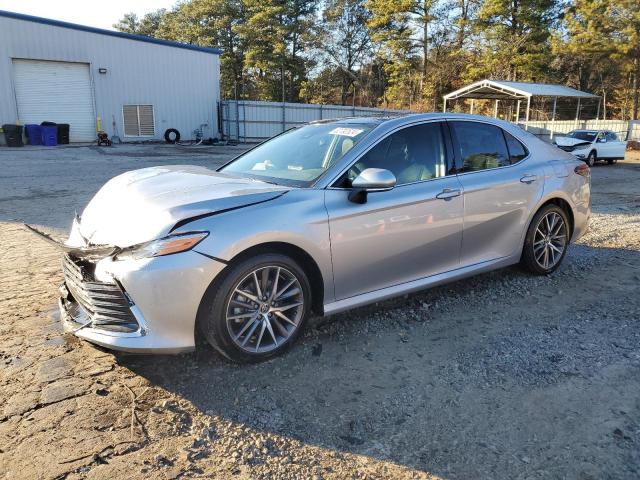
<point>586,136</point>
<point>298,157</point>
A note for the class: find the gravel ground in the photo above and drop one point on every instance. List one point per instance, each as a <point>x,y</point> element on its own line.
<point>503,375</point>
<point>46,186</point>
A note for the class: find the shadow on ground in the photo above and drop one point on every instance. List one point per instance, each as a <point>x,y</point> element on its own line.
<point>503,374</point>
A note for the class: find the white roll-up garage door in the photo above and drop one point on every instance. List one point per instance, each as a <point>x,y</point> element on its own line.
<point>57,92</point>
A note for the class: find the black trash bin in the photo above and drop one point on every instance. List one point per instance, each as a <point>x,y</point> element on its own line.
<point>63,133</point>
<point>13,135</point>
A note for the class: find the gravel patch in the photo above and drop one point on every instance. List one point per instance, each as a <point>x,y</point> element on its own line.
<point>503,375</point>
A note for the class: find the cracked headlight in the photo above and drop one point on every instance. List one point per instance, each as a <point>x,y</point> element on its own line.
<point>168,245</point>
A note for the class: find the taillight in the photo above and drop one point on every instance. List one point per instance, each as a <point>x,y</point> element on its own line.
<point>583,170</point>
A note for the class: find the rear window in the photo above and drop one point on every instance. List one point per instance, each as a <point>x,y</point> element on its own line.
<point>517,151</point>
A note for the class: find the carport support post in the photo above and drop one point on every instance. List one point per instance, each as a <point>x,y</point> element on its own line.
<point>598,109</point>
<point>473,104</point>
<point>526,118</point>
<point>577,113</point>
<point>553,117</point>
<point>495,108</point>
<point>444,105</point>
<point>517,111</point>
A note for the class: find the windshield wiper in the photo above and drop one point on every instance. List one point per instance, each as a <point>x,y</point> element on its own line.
<point>265,181</point>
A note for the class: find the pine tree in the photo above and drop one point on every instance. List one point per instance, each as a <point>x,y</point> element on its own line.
<point>212,23</point>
<point>514,38</point>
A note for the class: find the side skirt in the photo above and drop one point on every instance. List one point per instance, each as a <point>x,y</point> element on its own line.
<point>416,285</point>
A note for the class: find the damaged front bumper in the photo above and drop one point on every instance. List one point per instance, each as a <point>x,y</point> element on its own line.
<point>145,305</point>
<point>88,252</point>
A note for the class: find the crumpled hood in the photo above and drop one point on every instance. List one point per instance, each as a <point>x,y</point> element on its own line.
<point>145,204</point>
<point>570,141</point>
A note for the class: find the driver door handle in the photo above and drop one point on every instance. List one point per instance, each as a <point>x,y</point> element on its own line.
<point>528,178</point>
<point>448,193</point>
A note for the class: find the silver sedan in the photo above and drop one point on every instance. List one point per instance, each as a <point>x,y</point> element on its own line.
<point>318,220</point>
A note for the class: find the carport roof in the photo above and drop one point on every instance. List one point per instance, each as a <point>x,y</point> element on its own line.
<point>112,33</point>
<point>501,89</point>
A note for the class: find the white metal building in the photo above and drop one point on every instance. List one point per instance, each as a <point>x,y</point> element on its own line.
<point>132,86</point>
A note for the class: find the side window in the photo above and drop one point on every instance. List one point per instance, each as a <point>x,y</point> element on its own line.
<point>413,154</point>
<point>517,151</point>
<point>612,137</point>
<point>481,146</point>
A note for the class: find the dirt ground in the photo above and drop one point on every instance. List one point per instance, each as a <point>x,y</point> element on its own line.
<point>502,376</point>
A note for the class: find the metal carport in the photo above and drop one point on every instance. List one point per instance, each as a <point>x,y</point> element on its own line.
<point>519,91</point>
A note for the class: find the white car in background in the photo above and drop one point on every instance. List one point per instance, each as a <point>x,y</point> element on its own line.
<point>593,145</point>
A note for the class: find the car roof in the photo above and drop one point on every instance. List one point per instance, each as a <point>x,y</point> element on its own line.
<point>408,117</point>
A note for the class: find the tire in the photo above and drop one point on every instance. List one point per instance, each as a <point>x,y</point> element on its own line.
<point>223,300</point>
<point>171,135</point>
<point>592,158</point>
<point>533,258</point>
<point>611,161</point>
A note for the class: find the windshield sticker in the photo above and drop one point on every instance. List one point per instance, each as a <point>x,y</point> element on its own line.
<point>347,132</point>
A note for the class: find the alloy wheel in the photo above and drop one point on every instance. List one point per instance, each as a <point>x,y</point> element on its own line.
<point>265,309</point>
<point>550,240</point>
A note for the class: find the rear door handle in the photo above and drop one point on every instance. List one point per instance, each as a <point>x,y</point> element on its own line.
<point>448,193</point>
<point>528,178</point>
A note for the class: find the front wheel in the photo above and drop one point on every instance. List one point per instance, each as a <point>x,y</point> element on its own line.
<point>547,240</point>
<point>591,159</point>
<point>258,309</point>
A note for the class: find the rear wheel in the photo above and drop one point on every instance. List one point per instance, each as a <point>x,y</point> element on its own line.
<point>258,309</point>
<point>547,240</point>
<point>592,158</point>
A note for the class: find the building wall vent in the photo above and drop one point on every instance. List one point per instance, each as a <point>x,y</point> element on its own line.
<point>138,120</point>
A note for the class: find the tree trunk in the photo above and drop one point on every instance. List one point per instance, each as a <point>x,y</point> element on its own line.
<point>636,72</point>
<point>460,36</point>
<point>282,82</point>
<point>425,44</point>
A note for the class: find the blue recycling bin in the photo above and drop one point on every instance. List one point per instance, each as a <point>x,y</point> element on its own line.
<point>49,135</point>
<point>34,134</point>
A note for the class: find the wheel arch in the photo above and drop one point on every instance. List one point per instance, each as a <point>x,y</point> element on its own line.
<point>565,206</point>
<point>303,258</point>
<point>553,199</point>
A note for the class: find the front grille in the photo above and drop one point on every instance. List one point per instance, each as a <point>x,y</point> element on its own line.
<point>105,303</point>
<point>567,148</point>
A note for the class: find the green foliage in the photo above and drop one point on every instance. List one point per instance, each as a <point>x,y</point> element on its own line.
<point>277,33</point>
<point>344,44</point>
<point>515,38</point>
<point>212,23</point>
<point>148,25</point>
<point>408,53</point>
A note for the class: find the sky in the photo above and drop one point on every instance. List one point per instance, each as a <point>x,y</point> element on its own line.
<point>101,14</point>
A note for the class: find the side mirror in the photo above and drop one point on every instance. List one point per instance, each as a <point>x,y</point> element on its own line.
<point>371,180</point>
